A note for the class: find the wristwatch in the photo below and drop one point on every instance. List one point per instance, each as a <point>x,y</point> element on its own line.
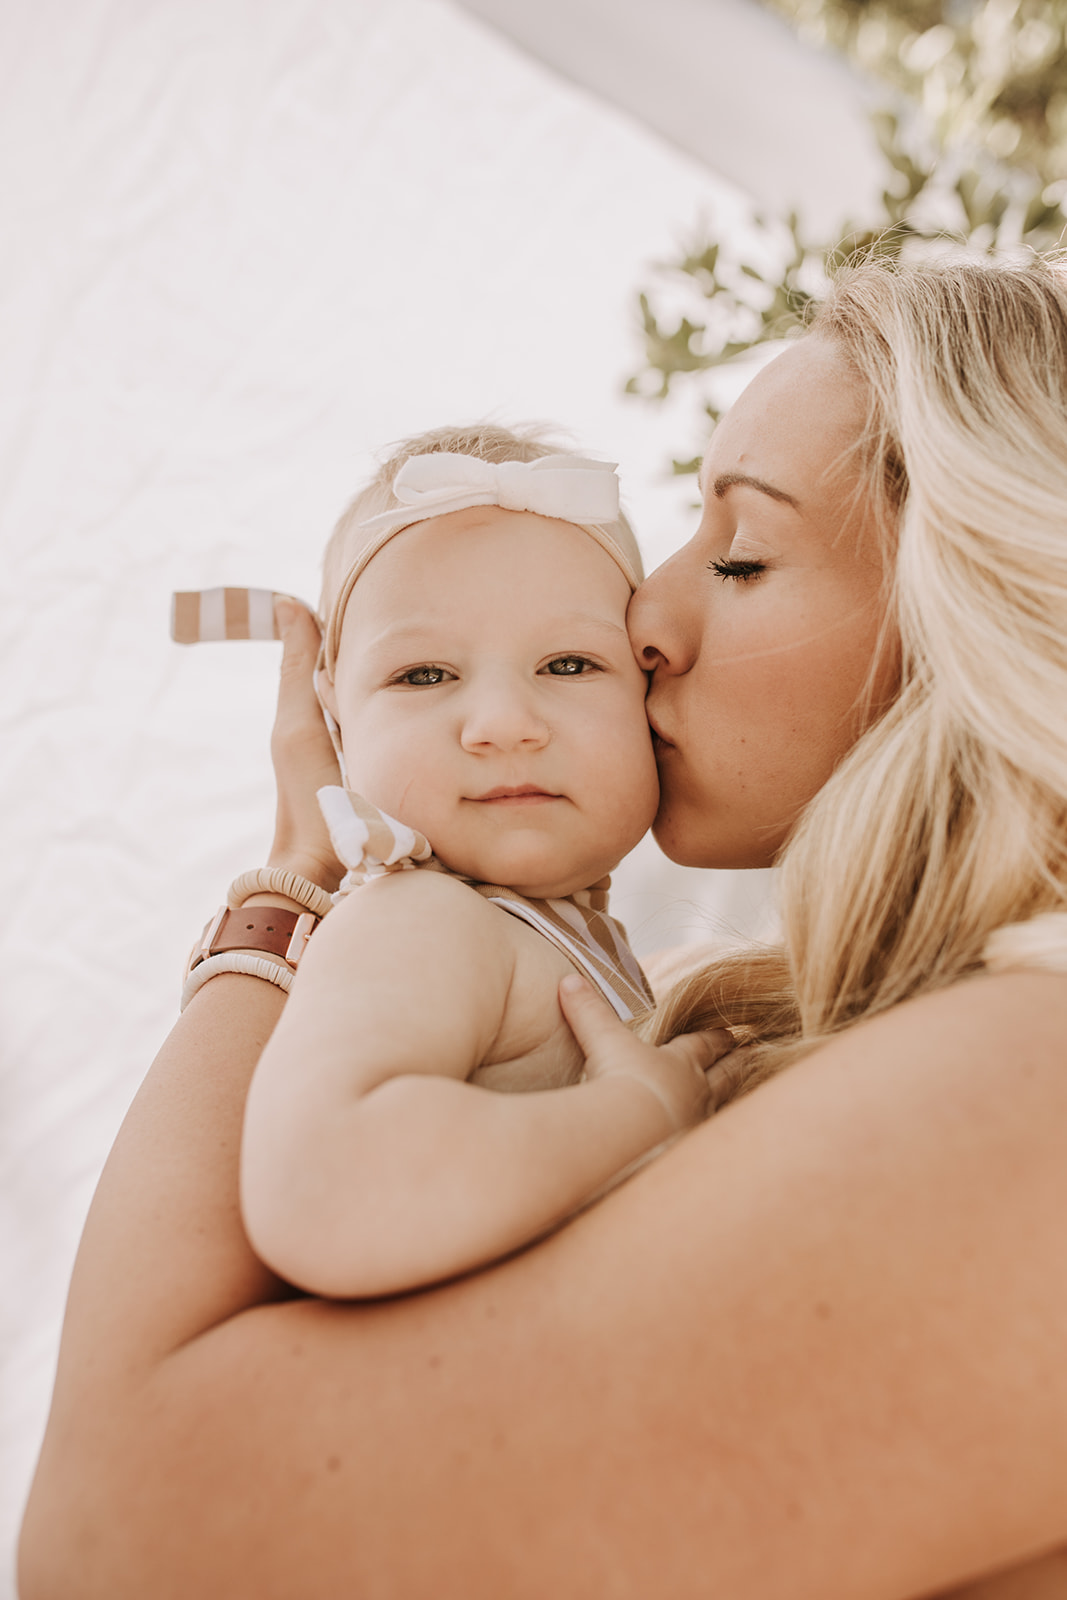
<point>268,930</point>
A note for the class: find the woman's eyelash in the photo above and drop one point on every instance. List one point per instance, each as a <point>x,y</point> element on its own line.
<point>727,567</point>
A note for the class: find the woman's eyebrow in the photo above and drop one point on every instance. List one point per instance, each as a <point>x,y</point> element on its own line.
<point>730,480</point>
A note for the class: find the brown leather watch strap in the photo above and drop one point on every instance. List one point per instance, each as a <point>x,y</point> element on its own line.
<point>265,928</point>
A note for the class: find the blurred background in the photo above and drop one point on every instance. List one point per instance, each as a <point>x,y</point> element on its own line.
<point>247,243</point>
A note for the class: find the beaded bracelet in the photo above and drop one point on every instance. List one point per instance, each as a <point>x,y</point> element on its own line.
<point>276,880</point>
<point>245,961</point>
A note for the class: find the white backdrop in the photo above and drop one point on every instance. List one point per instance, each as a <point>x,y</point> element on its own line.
<point>244,244</point>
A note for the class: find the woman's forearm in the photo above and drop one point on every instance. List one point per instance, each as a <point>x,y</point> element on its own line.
<point>164,1255</point>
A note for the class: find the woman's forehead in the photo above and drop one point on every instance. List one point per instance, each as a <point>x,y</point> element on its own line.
<point>792,423</point>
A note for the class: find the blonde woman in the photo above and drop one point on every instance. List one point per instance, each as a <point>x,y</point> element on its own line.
<point>816,1349</point>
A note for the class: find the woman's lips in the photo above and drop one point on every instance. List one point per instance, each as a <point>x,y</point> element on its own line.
<point>659,738</point>
<point>523,795</point>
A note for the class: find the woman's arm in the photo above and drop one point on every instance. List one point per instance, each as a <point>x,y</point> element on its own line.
<point>369,1165</point>
<point>816,1349</point>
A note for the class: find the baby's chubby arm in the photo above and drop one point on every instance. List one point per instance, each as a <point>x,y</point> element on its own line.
<point>369,1165</point>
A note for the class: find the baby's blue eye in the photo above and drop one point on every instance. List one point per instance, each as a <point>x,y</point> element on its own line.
<point>568,666</point>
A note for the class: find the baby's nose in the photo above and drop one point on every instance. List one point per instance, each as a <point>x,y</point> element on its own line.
<point>503,717</point>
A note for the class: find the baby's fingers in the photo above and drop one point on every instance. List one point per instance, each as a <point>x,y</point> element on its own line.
<point>602,1037</point>
<point>675,1072</point>
<point>700,1051</point>
<point>600,1034</point>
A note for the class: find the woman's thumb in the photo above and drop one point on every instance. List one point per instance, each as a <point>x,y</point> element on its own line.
<point>304,759</point>
<point>299,633</point>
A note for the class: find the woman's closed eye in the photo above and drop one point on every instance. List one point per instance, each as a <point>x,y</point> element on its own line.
<point>735,567</point>
<point>426,676</point>
<point>569,666</point>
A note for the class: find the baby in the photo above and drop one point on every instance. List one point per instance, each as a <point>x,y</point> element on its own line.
<point>478,675</point>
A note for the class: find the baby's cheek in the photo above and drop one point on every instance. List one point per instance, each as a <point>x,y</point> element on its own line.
<point>372,772</point>
<point>635,785</point>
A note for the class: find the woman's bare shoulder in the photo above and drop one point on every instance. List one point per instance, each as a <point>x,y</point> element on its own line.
<point>948,1096</point>
<point>1029,1003</point>
<point>983,1041</point>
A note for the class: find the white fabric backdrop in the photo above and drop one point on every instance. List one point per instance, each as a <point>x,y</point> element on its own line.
<point>245,243</point>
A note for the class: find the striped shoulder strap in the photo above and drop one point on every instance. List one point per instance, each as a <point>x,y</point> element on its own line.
<point>579,925</point>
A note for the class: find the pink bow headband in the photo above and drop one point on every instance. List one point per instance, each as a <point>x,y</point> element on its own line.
<point>570,488</point>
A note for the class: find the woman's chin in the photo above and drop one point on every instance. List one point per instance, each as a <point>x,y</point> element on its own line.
<point>692,842</point>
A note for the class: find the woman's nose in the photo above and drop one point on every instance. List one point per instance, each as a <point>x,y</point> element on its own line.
<point>502,716</point>
<point>663,622</point>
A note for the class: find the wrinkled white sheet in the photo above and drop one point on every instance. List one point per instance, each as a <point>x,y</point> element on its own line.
<point>245,243</point>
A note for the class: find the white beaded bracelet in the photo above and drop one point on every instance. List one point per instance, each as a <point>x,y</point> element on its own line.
<point>245,961</point>
<point>276,880</point>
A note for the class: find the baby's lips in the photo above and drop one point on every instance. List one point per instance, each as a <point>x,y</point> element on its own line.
<point>516,792</point>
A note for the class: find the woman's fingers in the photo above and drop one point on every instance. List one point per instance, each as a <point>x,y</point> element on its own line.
<point>302,753</point>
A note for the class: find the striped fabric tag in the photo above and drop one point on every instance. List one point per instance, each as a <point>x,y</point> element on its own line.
<point>208,616</point>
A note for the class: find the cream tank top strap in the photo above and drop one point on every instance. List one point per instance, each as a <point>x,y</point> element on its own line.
<point>370,844</point>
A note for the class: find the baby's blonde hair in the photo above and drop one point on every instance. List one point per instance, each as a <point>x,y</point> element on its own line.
<point>487,441</point>
<point>939,846</point>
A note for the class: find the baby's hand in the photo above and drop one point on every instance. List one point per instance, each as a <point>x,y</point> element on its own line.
<point>675,1073</point>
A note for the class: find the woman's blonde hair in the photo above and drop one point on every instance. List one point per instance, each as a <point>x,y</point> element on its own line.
<point>939,845</point>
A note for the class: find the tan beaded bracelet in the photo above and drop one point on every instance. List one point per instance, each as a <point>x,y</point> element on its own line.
<point>276,880</point>
<point>244,961</point>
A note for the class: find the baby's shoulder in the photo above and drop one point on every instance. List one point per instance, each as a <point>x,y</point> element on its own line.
<point>503,957</point>
<point>423,901</point>
<point>426,909</point>
<point>422,892</point>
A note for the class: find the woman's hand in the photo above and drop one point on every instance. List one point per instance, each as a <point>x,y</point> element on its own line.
<point>681,1074</point>
<point>302,754</point>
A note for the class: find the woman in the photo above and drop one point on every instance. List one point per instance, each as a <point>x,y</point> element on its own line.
<point>816,1348</point>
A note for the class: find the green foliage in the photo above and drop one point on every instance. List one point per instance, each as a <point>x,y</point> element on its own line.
<point>989,73</point>
<point>973,129</point>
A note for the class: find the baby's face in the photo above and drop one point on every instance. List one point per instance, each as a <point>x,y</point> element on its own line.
<point>488,696</point>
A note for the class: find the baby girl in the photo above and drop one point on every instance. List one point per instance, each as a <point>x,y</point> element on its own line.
<point>489,719</point>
